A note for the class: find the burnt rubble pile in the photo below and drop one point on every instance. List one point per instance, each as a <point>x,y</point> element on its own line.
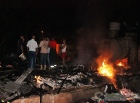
<point>111,94</point>
<point>75,77</point>
<point>52,81</point>
<point>127,90</point>
<point>64,79</point>
<point>12,89</point>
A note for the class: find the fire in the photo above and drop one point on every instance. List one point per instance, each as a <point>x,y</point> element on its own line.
<point>120,64</point>
<point>123,63</point>
<point>39,79</point>
<point>106,69</point>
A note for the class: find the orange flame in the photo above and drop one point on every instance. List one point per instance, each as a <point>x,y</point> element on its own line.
<point>120,64</point>
<point>38,79</point>
<point>106,70</point>
<point>123,63</point>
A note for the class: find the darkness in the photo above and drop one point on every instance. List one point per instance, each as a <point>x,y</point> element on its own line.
<point>62,18</point>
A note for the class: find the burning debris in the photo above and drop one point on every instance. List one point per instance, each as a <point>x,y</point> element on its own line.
<point>68,81</point>
<point>58,80</point>
<point>61,79</point>
<point>115,92</point>
<point>74,78</point>
<point>106,69</point>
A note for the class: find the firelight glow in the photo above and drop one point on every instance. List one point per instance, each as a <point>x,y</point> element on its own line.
<point>120,64</point>
<point>106,69</point>
<point>38,79</point>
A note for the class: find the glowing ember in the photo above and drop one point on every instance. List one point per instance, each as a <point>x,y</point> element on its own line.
<point>39,79</point>
<point>120,64</point>
<point>123,63</point>
<point>107,69</point>
<point>127,93</point>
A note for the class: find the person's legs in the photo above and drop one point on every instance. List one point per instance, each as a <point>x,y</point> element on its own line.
<point>51,56</point>
<point>30,59</point>
<point>54,55</point>
<point>41,61</point>
<point>34,59</point>
<point>19,59</point>
<point>48,59</point>
<point>31,54</point>
<point>63,58</point>
<point>44,60</point>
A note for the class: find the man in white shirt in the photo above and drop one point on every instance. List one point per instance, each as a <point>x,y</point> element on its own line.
<point>32,49</point>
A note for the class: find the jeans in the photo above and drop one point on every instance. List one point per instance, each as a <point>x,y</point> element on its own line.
<point>43,57</point>
<point>32,59</point>
<point>48,58</point>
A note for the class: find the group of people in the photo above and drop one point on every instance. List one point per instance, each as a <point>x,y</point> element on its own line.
<point>46,48</point>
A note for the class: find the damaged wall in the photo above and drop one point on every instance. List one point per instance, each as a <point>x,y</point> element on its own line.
<point>119,48</point>
<point>123,47</point>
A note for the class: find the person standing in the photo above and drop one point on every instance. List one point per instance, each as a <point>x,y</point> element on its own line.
<point>43,53</point>
<point>63,51</point>
<point>20,45</point>
<point>53,51</point>
<point>21,50</point>
<point>48,52</point>
<point>32,48</point>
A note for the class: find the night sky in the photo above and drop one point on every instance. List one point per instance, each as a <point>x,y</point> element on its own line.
<point>63,18</point>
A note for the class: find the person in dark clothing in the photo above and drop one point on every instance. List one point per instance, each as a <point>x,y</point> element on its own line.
<point>20,45</point>
<point>53,51</point>
<point>21,50</point>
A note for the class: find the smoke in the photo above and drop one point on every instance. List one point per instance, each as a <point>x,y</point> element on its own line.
<point>88,44</point>
<point>94,20</point>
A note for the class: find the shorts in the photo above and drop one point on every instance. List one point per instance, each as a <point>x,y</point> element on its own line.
<point>43,58</point>
<point>63,55</point>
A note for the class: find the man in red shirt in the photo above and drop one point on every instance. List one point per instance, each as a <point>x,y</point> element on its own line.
<point>53,51</point>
